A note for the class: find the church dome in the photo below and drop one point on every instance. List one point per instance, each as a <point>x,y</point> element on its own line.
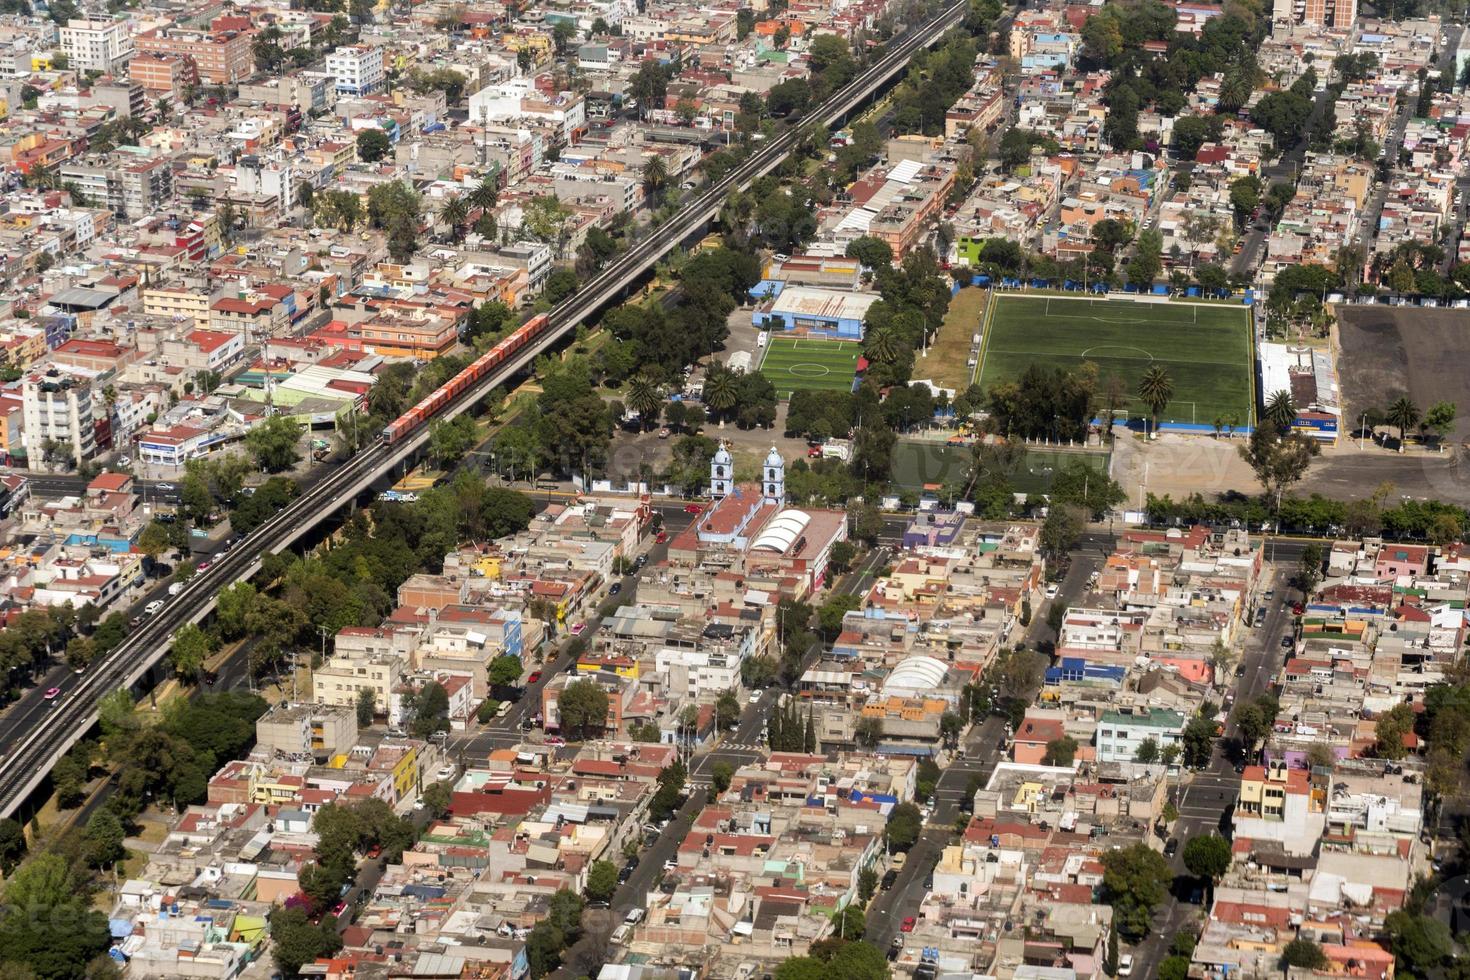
<point>773,458</point>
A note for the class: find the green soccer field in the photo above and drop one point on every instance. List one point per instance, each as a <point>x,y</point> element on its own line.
<point>793,363</point>
<point>1206,350</point>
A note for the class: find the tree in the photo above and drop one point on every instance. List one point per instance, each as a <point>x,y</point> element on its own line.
<point>1156,389</point>
<point>1252,724</point>
<point>1309,569</point>
<point>190,650</point>
<point>1173,968</point>
<point>1278,461</point>
<point>867,884</point>
<point>274,443</point>
<point>1060,751</point>
<point>366,705</point>
<point>868,731</point>
<point>1390,729</point>
<point>1061,530</point>
<point>372,145</point>
<point>104,839</point>
<point>505,671</point>
<point>1198,741</point>
<point>1404,415</point>
<point>582,708</point>
<point>872,252</point>
<point>1281,411</point>
<point>1420,943</point>
<point>1147,751</point>
<point>296,940</point>
<point>727,710</point>
<point>1304,953</point>
<point>51,929</point>
<point>12,845</point>
<point>438,798</point>
<point>602,880</point>
<point>905,822</point>
<point>1135,880</point>
<point>154,539</point>
<point>720,392</point>
<point>720,776</point>
<point>1207,857</point>
<point>454,212</point>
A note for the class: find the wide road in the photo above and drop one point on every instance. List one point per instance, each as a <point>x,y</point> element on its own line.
<point>30,748</point>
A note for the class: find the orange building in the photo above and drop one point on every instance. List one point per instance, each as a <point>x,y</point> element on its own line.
<point>221,57</point>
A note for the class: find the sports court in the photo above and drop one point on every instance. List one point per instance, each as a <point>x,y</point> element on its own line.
<point>1205,349</point>
<point>920,463</point>
<point>793,363</point>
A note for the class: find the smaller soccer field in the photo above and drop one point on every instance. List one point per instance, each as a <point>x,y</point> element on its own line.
<point>919,463</point>
<point>1205,349</point>
<point>804,363</point>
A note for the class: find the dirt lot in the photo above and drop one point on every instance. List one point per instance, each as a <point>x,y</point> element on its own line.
<point>1387,351</point>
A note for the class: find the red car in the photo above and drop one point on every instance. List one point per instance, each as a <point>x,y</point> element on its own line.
<point>660,538</point>
<point>51,693</point>
<point>692,508</point>
<point>908,925</point>
<point>535,676</point>
<point>814,452</point>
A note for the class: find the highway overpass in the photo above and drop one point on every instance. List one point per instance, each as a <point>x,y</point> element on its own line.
<point>36,733</point>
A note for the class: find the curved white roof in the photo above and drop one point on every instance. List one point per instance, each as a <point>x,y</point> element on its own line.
<point>916,674</point>
<point>773,458</point>
<point>782,532</point>
<point>722,455</point>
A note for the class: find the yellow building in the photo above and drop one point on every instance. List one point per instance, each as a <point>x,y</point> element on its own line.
<point>191,304</point>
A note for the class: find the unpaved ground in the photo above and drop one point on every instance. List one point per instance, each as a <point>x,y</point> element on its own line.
<point>1387,351</point>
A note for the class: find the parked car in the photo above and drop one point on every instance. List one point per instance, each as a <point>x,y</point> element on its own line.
<point>1125,965</point>
<point>1287,642</point>
<point>555,740</point>
<point>693,509</point>
<point>755,697</point>
<point>908,924</point>
<point>578,629</point>
<point>535,676</point>
<point>1171,847</point>
<point>615,588</point>
<point>1051,591</point>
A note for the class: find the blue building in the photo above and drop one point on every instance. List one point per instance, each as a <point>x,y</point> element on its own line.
<point>821,312</point>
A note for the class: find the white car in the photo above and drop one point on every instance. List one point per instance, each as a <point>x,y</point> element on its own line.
<point>755,697</point>
<point>445,772</point>
<point>1051,591</point>
<point>1125,965</point>
<point>153,607</point>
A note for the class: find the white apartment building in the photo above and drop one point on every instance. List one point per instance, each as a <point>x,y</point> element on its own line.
<point>58,409</point>
<point>97,45</point>
<point>338,680</point>
<point>357,68</point>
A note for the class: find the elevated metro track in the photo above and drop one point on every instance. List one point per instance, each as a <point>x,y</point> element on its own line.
<point>34,739</point>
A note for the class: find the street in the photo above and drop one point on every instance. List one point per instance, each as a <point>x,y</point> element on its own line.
<point>1207,796</point>
<point>982,750</point>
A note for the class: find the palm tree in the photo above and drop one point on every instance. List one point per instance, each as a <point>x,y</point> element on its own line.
<point>883,346</point>
<point>655,177</point>
<point>485,194</point>
<point>1405,415</point>
<point>454,212</point>
<point>720,392</point>
<point>644,398</point>
<point>1281,411</point>
<point>1156,388</point>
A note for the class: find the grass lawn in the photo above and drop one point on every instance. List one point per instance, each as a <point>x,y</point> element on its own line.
<point>1206,349</point>
<point>918,462</point>
<point>793,363</point>
<point>947,362</point>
